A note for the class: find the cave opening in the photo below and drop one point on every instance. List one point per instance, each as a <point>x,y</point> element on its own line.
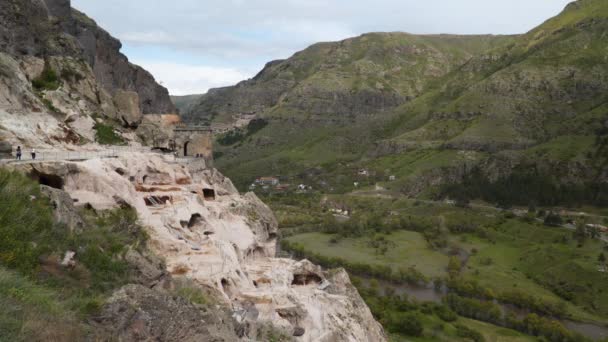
<point>209,194</point>
<point>52,181</point>
<point>195,219</point>
<point>153,201</point>
<point>226,287</point>
<point>306,279</point>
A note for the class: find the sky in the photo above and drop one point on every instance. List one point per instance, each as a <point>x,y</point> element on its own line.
<point>191,46</point>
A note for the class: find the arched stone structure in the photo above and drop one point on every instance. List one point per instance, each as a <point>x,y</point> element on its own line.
<point>193,141</point>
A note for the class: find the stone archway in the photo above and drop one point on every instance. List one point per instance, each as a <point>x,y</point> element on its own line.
<point>186,148</point>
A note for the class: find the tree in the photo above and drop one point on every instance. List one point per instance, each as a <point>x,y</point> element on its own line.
<point>454,266</point>
<point>601,258</point>
<point>553,219</point>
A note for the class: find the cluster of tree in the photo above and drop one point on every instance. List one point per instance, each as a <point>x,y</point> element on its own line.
<point>400,315</point>
<point>237,135</point>
<point>535,304</point>
<point>485,311</point>
<point>231,138</point>
<point>524,185</point>
<point>536,325</point>
<point>381,244</point>
<point>522,300</point>
<point>532,324</point>
<point>470,288</point>
<point>468,333</point>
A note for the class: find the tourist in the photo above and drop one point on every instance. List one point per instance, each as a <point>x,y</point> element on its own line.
<point>33,154</point>
<point>18,153</point>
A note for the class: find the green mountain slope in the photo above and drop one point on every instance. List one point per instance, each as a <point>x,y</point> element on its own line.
<point>342,80</point>
<point>431,110</point>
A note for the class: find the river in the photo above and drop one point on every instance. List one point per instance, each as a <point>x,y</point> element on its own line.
<point>429,294</point>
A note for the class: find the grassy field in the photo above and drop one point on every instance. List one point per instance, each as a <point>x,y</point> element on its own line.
<point>409,249</point>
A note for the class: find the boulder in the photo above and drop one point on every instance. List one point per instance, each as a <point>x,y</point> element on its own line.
<point>150,268</point>
<point>137,313</point>
<point>64,210</point>
<point>127,106</point>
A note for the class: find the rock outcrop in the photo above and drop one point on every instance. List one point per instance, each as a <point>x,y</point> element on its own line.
<point>209,233</point>
<point>137,313</point>
<point>46,28</point>
<point>59,71</point>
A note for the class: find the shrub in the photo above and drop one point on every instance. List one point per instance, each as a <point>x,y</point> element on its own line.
<point>445,313</point>
<point>553,220</point>
<point>106,135</point>
<point>406,323</point>
<point>466,332</point>
<point>48,80</point>
<point>24,219</point>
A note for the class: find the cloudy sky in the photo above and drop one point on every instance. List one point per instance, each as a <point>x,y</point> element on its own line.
<point>193,45</point>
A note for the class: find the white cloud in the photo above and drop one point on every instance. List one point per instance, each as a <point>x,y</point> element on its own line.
<point>148,37</point>
<point>182,79</point>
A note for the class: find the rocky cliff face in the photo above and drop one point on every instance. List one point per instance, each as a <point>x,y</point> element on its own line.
<point>47,28</point>
<point>209,233</point>
<point>59,71</point>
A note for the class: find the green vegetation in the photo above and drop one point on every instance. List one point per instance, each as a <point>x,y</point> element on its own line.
<point>31,312</point>
<point>480,255</point>
<point>106,135</point>
<point>237,135</point>
<point>48,80</point>
<point>41,299</point>
<point>526,185</point>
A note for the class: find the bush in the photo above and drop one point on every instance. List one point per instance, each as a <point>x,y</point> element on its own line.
<point>406,323</point>
<point>48,80</point>
<point>466,332</point>
<point>106,135</point>
<point>473,308</point>
<point>231,138</point>
<point>445,313</point>
<point>25,217</point>
<point>553,220</point>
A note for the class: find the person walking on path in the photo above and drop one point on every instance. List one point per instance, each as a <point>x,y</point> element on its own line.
<point>18,153</point>
<point>33,154</point>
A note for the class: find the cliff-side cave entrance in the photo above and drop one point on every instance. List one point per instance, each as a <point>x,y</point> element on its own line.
<point>194,220</point>
<point>49,180</point>
<point>154,201</point>
<point>209,194</point>
<point>306,279</point>
<point>227,287</point>
<point>186,148</point>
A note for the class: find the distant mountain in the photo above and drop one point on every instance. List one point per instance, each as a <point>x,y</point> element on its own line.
<point>183,103</point>
<point>431,109</point>
<point>344,80</point>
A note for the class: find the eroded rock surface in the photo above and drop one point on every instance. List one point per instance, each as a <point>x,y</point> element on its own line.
<point>226,242</point>
<point>137,313</point>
